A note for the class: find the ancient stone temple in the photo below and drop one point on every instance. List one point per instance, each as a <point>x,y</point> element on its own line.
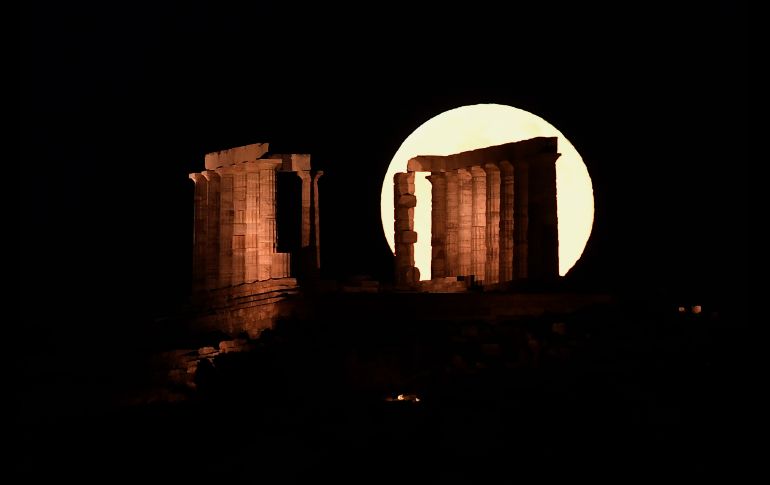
<point>493,214</point>
<point>236,258</point>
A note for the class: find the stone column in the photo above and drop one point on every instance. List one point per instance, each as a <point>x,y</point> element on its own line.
<point>479,223</point>
<point>251,272</point>
<point>438,263</point>
<point>465,208</point>
<point>452,224</point>
<point>405,237</point>
<point>266,227</point>
<point>304,176</point>
<point>212,231</point>
<point>199,232</point>
<point>492,266</point>
<point>226,219</point>
<point>543,236</point>
<point>521,256</point>
<point>316,229</point>
<point>239,224</point>
<point>506,221</point>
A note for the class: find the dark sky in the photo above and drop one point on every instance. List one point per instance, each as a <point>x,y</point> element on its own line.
<point>119,101</point>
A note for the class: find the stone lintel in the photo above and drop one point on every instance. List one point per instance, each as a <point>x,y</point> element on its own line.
<point>532,149</point>
<point>235,155</point>
<point>251,166</point>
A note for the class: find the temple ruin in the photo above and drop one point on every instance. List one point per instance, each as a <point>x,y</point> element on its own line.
<point>493,214</point>
<point>238,270</point>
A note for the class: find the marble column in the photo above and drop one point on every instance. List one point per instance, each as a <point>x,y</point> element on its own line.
<point>239,224</point>
<point>452,224</point>
<point>465,229</point>
<point>226,219</point>
<point>521,235</point>
<point>212,231</point>
<point>316,228</point>
<point>405,236</point>
<point>543,237</point>
<point>492,264</point>
<point>438,263</point>
<point>506,221</point>
<point>199,232</point>
<point>478,223</point>
<point>307,183</point>
<point>251,272</point>
<point>266,237</point>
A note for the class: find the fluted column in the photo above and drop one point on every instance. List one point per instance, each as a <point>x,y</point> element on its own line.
<point>239,224</point>
<point>438,263</point>
<point>492,264</point>
<point>212,229</point>
<point>405,236</point>
<point>304,176</point>
<point>465,222</point>
<point>266,239</point>
<point>251,271</point>
<point>226,219</point>
<point>316,228</point>
<point>478,223</point>
<point>521,256</point>
<point>506,221</point>
<point>199,232</point>
<point>543,237</point>
<point>452,224</point>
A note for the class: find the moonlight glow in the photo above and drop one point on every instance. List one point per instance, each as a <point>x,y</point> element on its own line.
<point>479,126</point>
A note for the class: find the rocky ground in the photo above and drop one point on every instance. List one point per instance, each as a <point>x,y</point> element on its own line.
<point>617,391</point>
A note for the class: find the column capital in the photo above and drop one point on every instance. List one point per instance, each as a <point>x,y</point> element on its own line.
<point>436,176</point>
<point>477,171</point>
<point>197,177</point>
<point>491,168</point>
<point>210,175</point>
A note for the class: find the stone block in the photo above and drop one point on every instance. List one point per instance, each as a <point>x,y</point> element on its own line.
<point>235,155</point>
<point>404,213</point>
<point>406,237</point>
<point>404,225</point>
<point>407,200</point>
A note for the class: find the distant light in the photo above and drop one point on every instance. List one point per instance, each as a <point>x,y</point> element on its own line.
<point>696,309</point>
<point>682,309</point>
<point>400,397</point>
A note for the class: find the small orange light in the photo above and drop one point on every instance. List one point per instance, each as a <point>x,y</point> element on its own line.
<point>696,309</point>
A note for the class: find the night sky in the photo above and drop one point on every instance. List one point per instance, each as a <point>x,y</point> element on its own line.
<point>119,101</point>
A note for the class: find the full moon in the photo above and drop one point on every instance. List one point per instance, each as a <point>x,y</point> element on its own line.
<point>479,126</point>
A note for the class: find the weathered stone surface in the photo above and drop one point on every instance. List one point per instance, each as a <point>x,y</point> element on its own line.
<point>212,231</point>
<point>506,221</point>
<point>492,239</point>
<point>494,212</point>
<point>452,224</point>
<point>438,224</point>
<point>405,201</point>
<point>409,237</point>
<point>235,155</point>
<point>235,239</point>
<point>465,219</point>
<point>479,223</point>
<point>521,235</point>
<point>512,152</point>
